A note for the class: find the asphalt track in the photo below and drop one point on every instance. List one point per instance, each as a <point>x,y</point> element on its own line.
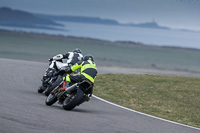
<point>23,110</point>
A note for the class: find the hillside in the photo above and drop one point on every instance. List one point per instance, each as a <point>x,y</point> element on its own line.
<point>149,25</point>
<point>79,19</point>
<point>97,20</point>
<point>18,18</point>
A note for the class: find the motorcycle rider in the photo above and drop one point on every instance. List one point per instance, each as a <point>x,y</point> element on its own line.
<point>71,57</point>
<point>56,63</point>
<point>88,71</point>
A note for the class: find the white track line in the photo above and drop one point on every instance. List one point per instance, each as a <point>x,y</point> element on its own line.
<point>143,113</point>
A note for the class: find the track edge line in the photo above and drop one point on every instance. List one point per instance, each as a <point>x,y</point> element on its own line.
<point>144,113</point>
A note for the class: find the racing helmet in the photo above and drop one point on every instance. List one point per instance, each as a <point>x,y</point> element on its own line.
<point>77,50</point>
<point>88,57</point>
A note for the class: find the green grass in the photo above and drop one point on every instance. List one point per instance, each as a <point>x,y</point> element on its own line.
<point>41,47</point>
<point>172,98</point>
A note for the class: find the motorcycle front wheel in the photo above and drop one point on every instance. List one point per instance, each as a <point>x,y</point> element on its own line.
<point>40,89</point>
<point>51,99</point>
<point>50,88</point>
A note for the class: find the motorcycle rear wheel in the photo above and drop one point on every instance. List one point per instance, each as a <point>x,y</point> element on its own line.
<point>73,100</point>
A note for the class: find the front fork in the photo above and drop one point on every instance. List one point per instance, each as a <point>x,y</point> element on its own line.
<point>56,91</point>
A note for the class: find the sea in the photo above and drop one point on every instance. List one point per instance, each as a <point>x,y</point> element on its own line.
<point>149,36</point>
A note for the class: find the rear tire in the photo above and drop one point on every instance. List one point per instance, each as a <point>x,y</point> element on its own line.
<point>72,101</point>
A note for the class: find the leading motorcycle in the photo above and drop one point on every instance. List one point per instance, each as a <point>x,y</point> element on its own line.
<point>51,78</point>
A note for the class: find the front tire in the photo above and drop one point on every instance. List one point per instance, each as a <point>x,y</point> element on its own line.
<point>56,83</point>
<point>40,90</point>
<point>73,100</point>
<point>51,99</point>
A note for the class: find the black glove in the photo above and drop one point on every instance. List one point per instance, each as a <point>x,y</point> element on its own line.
<point>51,59</point>
<point>62,70</point>
<point>68,70</point>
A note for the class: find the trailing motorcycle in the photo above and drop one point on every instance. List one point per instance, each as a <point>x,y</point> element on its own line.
<point>71,97</point>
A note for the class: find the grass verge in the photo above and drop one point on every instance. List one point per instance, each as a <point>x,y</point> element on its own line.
<point>40,47</point>
<point>172,98</point>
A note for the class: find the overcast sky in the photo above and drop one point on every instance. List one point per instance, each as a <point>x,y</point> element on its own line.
<point>183,14</point>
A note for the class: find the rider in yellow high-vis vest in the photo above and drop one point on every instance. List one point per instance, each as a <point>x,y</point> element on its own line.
<point>88,71</point>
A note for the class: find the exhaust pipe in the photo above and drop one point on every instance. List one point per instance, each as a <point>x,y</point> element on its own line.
<point>71,88</point>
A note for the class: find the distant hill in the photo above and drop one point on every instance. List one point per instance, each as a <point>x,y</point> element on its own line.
<point>79,19</point>
<point>97,20</point>
<point>18,18</point>
<point>148,25</point>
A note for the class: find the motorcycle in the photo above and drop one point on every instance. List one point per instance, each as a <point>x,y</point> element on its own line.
<point>51,77</point>
<point>71,97</point>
